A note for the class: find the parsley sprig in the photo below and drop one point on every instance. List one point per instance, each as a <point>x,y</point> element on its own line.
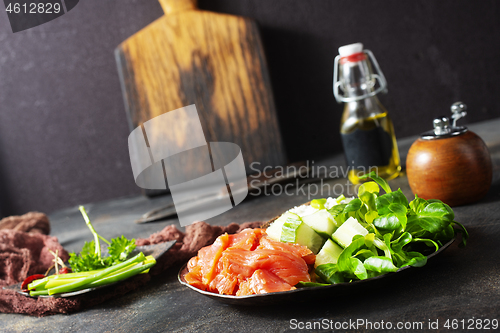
<point>90,258</point>
<point>91,269</point>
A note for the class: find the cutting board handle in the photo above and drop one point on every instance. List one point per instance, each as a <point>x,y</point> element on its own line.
<point>172,6</point>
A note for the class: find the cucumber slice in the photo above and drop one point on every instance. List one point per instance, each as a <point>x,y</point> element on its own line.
<point>329,254</point>
<point>322,222</point>
<point>296,231</point>
<point>274,230</point>
<point>350,228</point>
<point>289,228</point>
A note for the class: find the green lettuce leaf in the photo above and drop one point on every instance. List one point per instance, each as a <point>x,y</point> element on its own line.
<point>379,265</point>
<point>329,273</point>
<point>379,180</point>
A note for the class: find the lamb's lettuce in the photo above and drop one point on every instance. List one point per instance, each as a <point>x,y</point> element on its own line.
<point>400,232</point>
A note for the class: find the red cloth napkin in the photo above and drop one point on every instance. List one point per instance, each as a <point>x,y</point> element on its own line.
<point>32,222</point>
<point>21,255</point>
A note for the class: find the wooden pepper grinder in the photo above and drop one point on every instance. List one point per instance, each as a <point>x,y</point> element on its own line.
<point>449,163</point>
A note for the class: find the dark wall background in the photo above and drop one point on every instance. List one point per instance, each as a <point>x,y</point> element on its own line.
<point>63,131</point>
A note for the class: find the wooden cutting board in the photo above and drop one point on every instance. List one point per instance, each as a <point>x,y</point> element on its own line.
<point>216,61</point>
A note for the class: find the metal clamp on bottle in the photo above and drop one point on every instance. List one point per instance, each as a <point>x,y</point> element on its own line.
<point>349,55</point>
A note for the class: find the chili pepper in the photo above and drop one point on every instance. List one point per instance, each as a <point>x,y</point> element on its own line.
<point>30,279</point>
<point>65,270</point>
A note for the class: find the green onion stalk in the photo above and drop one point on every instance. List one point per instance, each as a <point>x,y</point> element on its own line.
<point>92,230</point>
<point>78,281</point>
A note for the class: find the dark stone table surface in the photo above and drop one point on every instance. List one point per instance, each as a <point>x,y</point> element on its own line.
<point>460,283</point>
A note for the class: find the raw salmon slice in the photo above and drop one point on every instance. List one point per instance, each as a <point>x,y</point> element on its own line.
<point>249,263</point>
<point>287,266</point>
<point>222,283</point>
<point>209,256</point>
<point>242,264</point>
<point>247,239</point>
<point>193,277</point>
<point>225,284</point>
<point>262,282</point>
<point>302,251</point>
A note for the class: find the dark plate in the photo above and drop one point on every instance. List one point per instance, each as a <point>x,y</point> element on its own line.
<point>306,294</point>
<point>156,250</point>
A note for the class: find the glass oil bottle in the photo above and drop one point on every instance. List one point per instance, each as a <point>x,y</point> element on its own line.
<point>366,129</point>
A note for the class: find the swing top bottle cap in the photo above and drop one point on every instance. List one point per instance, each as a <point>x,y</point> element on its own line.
<point>350,49</point>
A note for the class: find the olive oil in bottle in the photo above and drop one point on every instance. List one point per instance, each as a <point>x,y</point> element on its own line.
<point>366,129</point>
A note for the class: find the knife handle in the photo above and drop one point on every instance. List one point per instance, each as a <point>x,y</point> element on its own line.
<point>172,6</point>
